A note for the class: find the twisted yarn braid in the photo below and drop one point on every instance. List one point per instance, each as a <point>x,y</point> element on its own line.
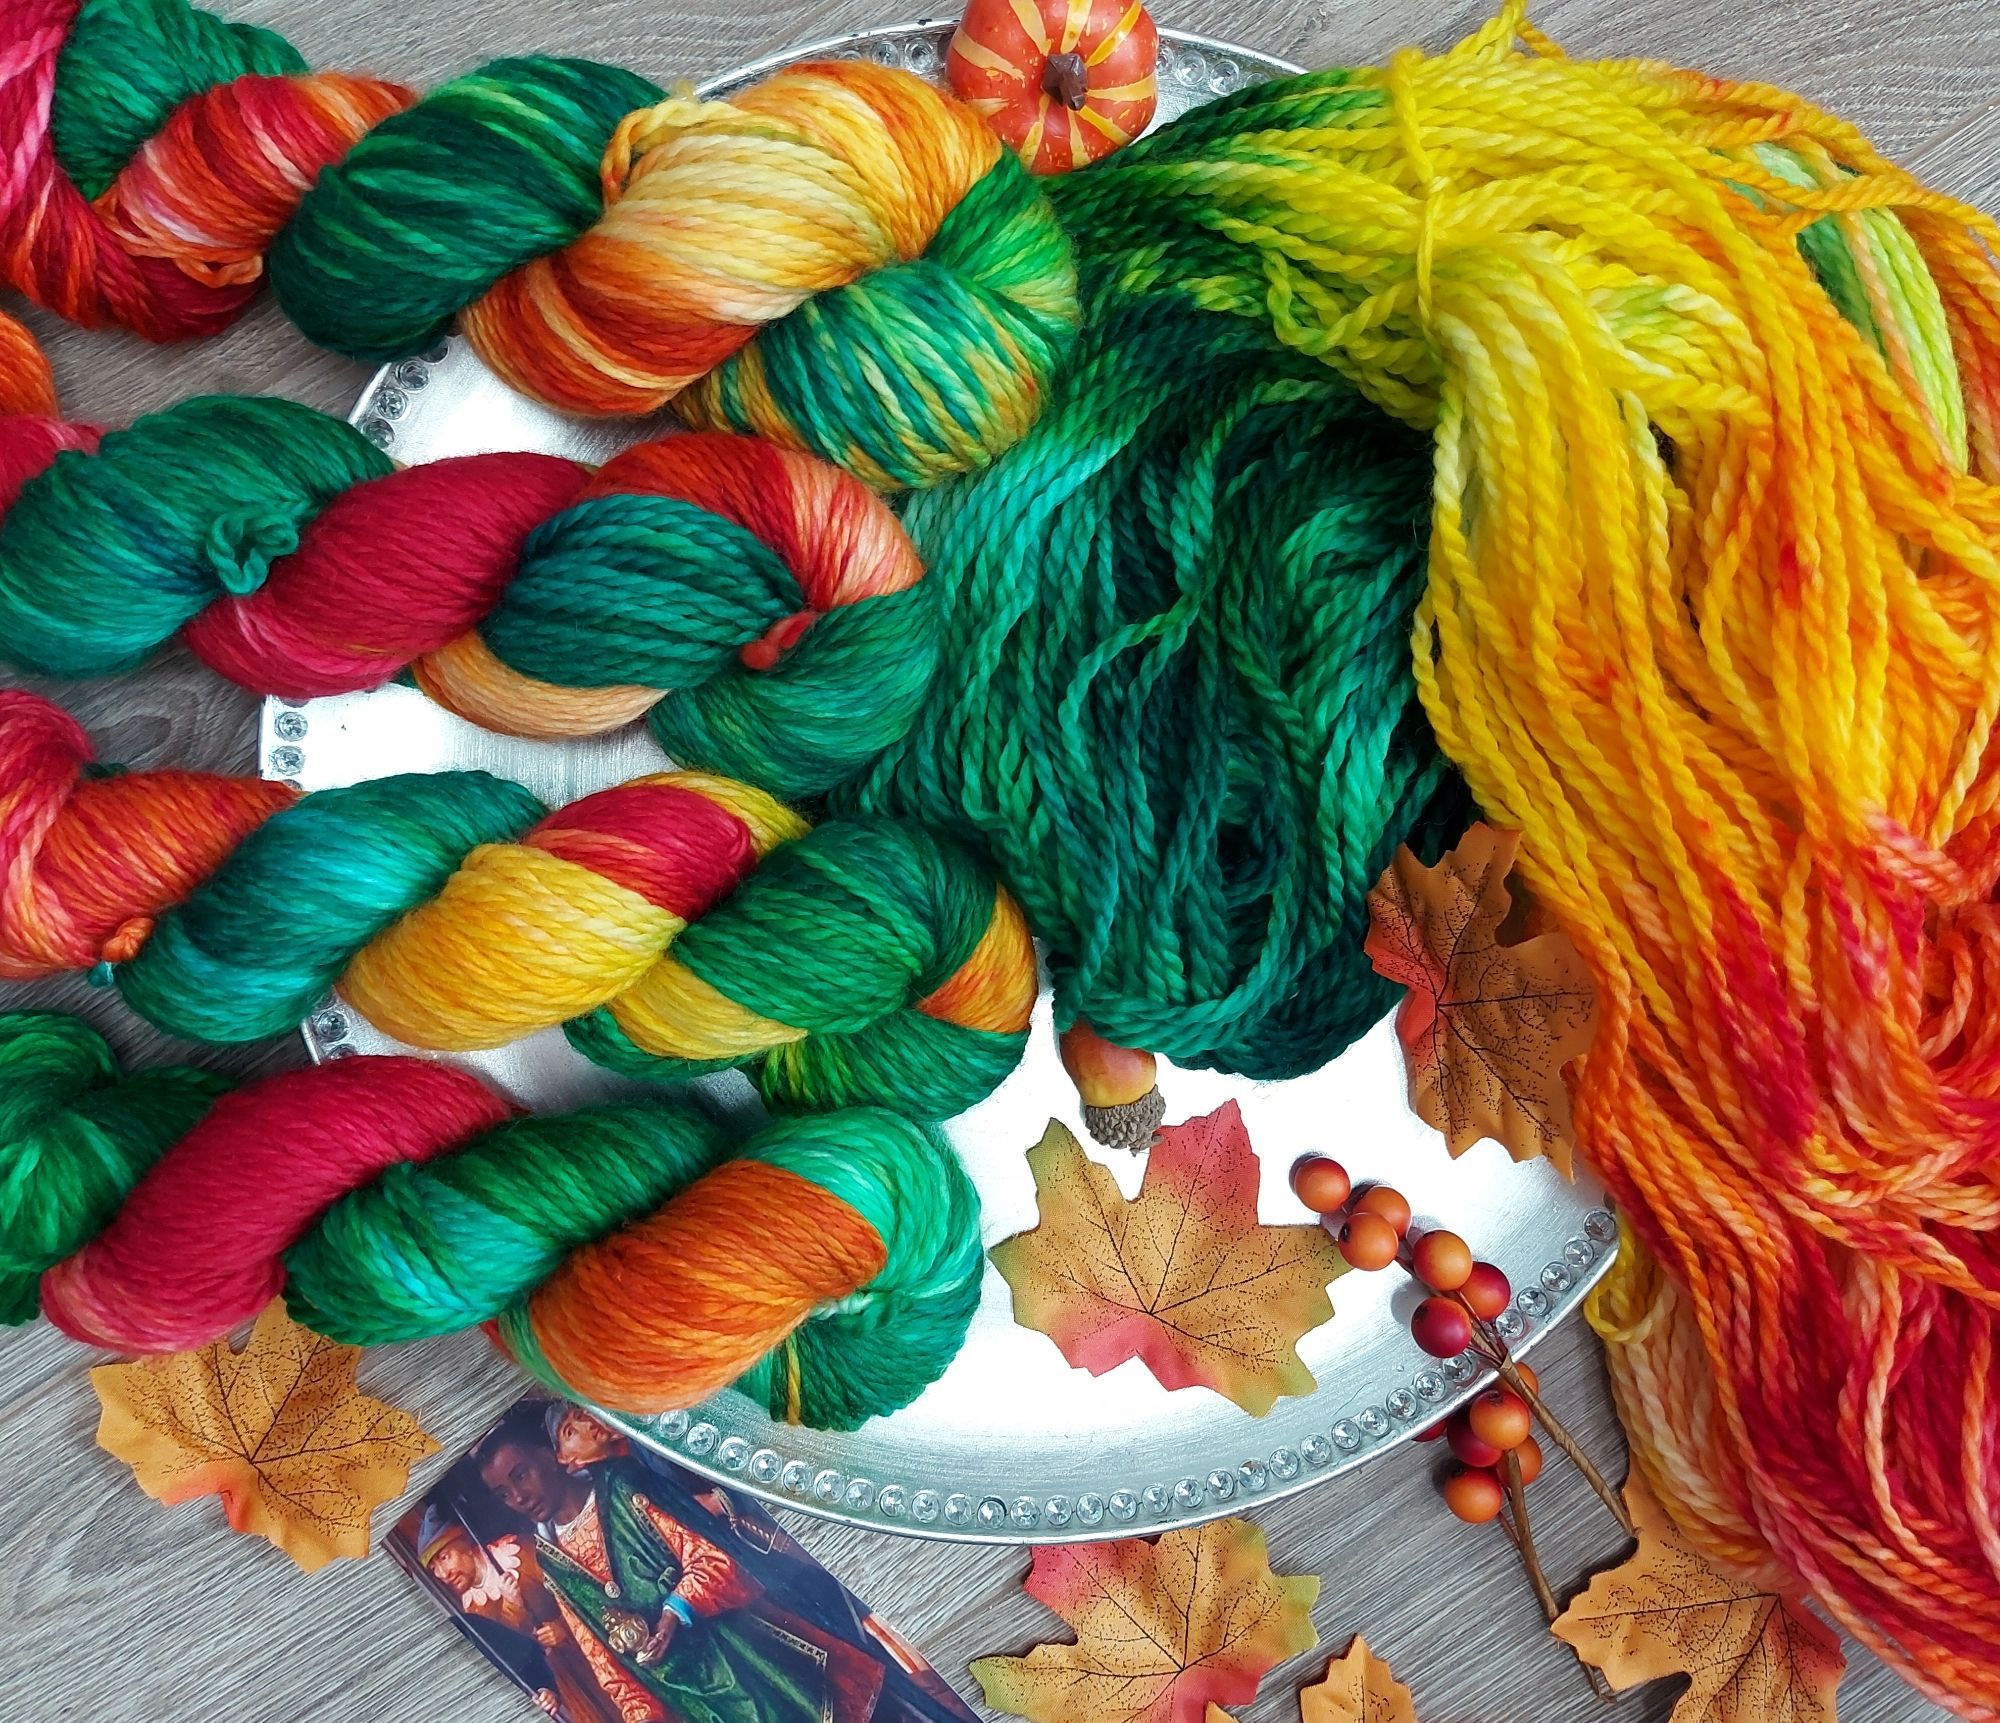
<point>840,258</point>
<point>763,608</point>
<point>675,924</point>
<point>827,1266</point>
<point>1711,619</point>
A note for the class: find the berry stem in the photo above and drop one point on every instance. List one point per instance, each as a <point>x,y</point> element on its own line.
<point>1524,1544</point>
<point>1488,1344</point>
<point>1558,1434</point>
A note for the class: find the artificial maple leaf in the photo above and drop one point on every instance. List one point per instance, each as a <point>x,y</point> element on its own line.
<point>279,1431</point>
<point>1165,1629</point>
<point>1754,1656</point>
<point>1358,1689</point>
<point>1486,1027</point>
<point>1182,1277</point>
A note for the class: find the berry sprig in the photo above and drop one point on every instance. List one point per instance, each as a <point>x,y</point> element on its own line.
<point>1491,1437</point>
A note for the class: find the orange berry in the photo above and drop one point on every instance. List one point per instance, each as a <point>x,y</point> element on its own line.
<point>1389,1203</point>
<point>1367,1241</point>
<point>1528,1376</point>
<point>1442,1260</point>
<point>1529,1457</point>
<point>1322,1185</point>
<point>1486,1291</point>
<point>1500,1416</point>
<point>1474,1495</point>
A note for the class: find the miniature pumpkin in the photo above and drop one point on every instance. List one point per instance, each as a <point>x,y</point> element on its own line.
<point>1062,81</point>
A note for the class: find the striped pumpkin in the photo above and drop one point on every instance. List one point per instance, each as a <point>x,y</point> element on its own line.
<point>1063,82</point>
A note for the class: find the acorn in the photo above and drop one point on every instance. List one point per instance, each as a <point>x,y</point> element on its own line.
<point>1122,1104</point>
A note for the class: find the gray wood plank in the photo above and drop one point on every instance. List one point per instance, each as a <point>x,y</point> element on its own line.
<point>118,1609</point>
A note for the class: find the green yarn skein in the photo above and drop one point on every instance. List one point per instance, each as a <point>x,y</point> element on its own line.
<point>298,561</point>
<point>433,1246</point>
<point>1180,713</point>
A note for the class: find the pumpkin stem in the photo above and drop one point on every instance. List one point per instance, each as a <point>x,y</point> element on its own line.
<point>1068,80</point>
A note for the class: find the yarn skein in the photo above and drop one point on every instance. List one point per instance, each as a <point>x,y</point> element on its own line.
<point>840,257</point>
<point>629,1253</point>
<point>1712,617</point>
<point>677,924</point>
<point>763,608</point>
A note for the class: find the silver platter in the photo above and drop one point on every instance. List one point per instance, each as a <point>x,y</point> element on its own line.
<point>1011,1445</point>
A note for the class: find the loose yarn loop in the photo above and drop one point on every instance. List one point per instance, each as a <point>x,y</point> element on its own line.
<point>827,1266</point>
<point>841,258</point>
<point>676,924</point>
<point>763,607</point>
<point>1713,618</point>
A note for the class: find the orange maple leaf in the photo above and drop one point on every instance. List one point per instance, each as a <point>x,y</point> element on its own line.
<point>1753,1656</point>
<point>1358,1689</point>
<point>1164,1629</point>
<point>1182,1277</point>
<point>279,1431</point>
<point>1486,1027</point>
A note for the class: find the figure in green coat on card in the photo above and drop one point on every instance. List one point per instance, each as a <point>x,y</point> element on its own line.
<point>670,1623</point>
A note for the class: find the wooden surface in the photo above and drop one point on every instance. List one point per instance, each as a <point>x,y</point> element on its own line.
<point>115,1608</point>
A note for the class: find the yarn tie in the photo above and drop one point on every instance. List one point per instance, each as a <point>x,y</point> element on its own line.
<point>1433,186</point>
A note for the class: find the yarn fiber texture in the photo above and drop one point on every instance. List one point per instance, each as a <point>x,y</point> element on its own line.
<point>1179,710</point>
<point>840,258</point>
<point>1710,618</point>
<point>631,1253</point>
<point>675,925</point>
<point>761,607</point>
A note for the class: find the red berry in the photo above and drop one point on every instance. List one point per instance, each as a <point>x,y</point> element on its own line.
<point>1470,1447</point>
<point>1441,1328</point>
<point>1500,1416</point>
<point>1322,1185</point>
<point>1430,1432</point>
<point>1389,1203</point>
<point>1474,1495</point>
<point>1529,1456</point>
<point>1486,1291</point>
<point>1368,1241</point>
<point>1442,1260</point>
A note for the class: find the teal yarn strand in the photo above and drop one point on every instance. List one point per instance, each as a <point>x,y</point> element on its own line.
<point>75,1136</point>
<point>505,160</point>
<point>105,556</point>
<point>447,1244</point>
<point>256,946</point>
<point>1180,714</point>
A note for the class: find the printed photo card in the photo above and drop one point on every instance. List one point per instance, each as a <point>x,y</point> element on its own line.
<point>617,1587</point>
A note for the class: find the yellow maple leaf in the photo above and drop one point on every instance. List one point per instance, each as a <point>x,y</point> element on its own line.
<point>1753,1656</point>
<point>279,1431</point>
<point>1486,1026</point>
<point>1358,1689</point>
<point>1183,1277</point>
<point>1164,1629</point>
